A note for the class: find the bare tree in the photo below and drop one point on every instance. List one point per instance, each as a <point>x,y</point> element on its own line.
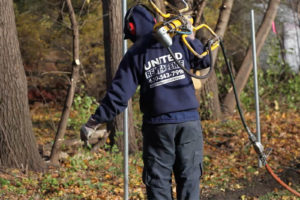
<point>17,142</point>
<point>247,65</point>
<point>113,37</point>
<point>209,93</point>
<point>54,158</point>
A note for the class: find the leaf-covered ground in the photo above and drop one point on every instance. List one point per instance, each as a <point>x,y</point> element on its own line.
<point>230,164</point>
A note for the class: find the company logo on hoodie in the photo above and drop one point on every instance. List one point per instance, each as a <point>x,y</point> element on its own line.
<point>163,70</point>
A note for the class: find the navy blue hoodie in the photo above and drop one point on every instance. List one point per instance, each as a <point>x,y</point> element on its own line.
<point>167,93</point>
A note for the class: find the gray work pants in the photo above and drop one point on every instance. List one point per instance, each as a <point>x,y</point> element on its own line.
<point>171,148</point>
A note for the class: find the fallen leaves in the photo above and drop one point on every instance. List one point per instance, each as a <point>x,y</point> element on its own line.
<point>229,161</point>
<point>235,160</point>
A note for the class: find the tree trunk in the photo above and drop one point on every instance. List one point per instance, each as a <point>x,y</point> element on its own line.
<point>246,67</point>
<point>209,94</point>
<point>17,142</point>
<point>71,90</point>
<point>113,37</point>
<point>199,11</point>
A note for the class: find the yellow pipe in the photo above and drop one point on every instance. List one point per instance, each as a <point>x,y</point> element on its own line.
<point>174,25</point>
<point>205,26</point>
<point>213,47</point>
<point>159,11</point>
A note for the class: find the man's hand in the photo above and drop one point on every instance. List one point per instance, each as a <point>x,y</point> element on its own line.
<point>88,129</point>
<point>85,133</point>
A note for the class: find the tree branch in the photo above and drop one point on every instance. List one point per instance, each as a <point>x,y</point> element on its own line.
<point>54,158</point>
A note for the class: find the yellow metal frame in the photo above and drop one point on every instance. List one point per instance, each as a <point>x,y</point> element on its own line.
<point>159,11</point>
<point>214,46</point>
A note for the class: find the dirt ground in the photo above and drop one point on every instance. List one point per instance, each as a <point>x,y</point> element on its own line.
<point>261,185</point>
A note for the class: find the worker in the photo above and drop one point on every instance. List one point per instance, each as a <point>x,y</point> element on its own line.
<point>172,132</point>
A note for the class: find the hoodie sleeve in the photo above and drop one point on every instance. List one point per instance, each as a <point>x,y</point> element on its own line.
<point>197,63</point>
<point>121,90</point>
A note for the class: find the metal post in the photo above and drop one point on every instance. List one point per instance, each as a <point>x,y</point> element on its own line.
<point>255,82</point>
<point>126,182</point>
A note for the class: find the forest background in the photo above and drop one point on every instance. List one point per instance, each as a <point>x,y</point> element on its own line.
<point>45,37</point>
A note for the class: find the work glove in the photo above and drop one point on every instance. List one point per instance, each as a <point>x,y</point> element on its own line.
<point>88,129</point>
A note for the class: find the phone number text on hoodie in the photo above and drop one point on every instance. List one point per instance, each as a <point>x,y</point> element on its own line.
<point>164,70</point>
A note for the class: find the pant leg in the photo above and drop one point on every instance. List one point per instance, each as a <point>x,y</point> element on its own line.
<point>159,158</point>
<point>188,164</point>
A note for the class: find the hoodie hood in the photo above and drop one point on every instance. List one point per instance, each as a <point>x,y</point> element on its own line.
<point>141,20</point>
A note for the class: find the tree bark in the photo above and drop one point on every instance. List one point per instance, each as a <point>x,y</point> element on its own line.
<point>209,93</point>
<point>54,158</point>
<point>113,37</point>
<point>17,142</point>
<point>199,11</point>
<point>247,65</point>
